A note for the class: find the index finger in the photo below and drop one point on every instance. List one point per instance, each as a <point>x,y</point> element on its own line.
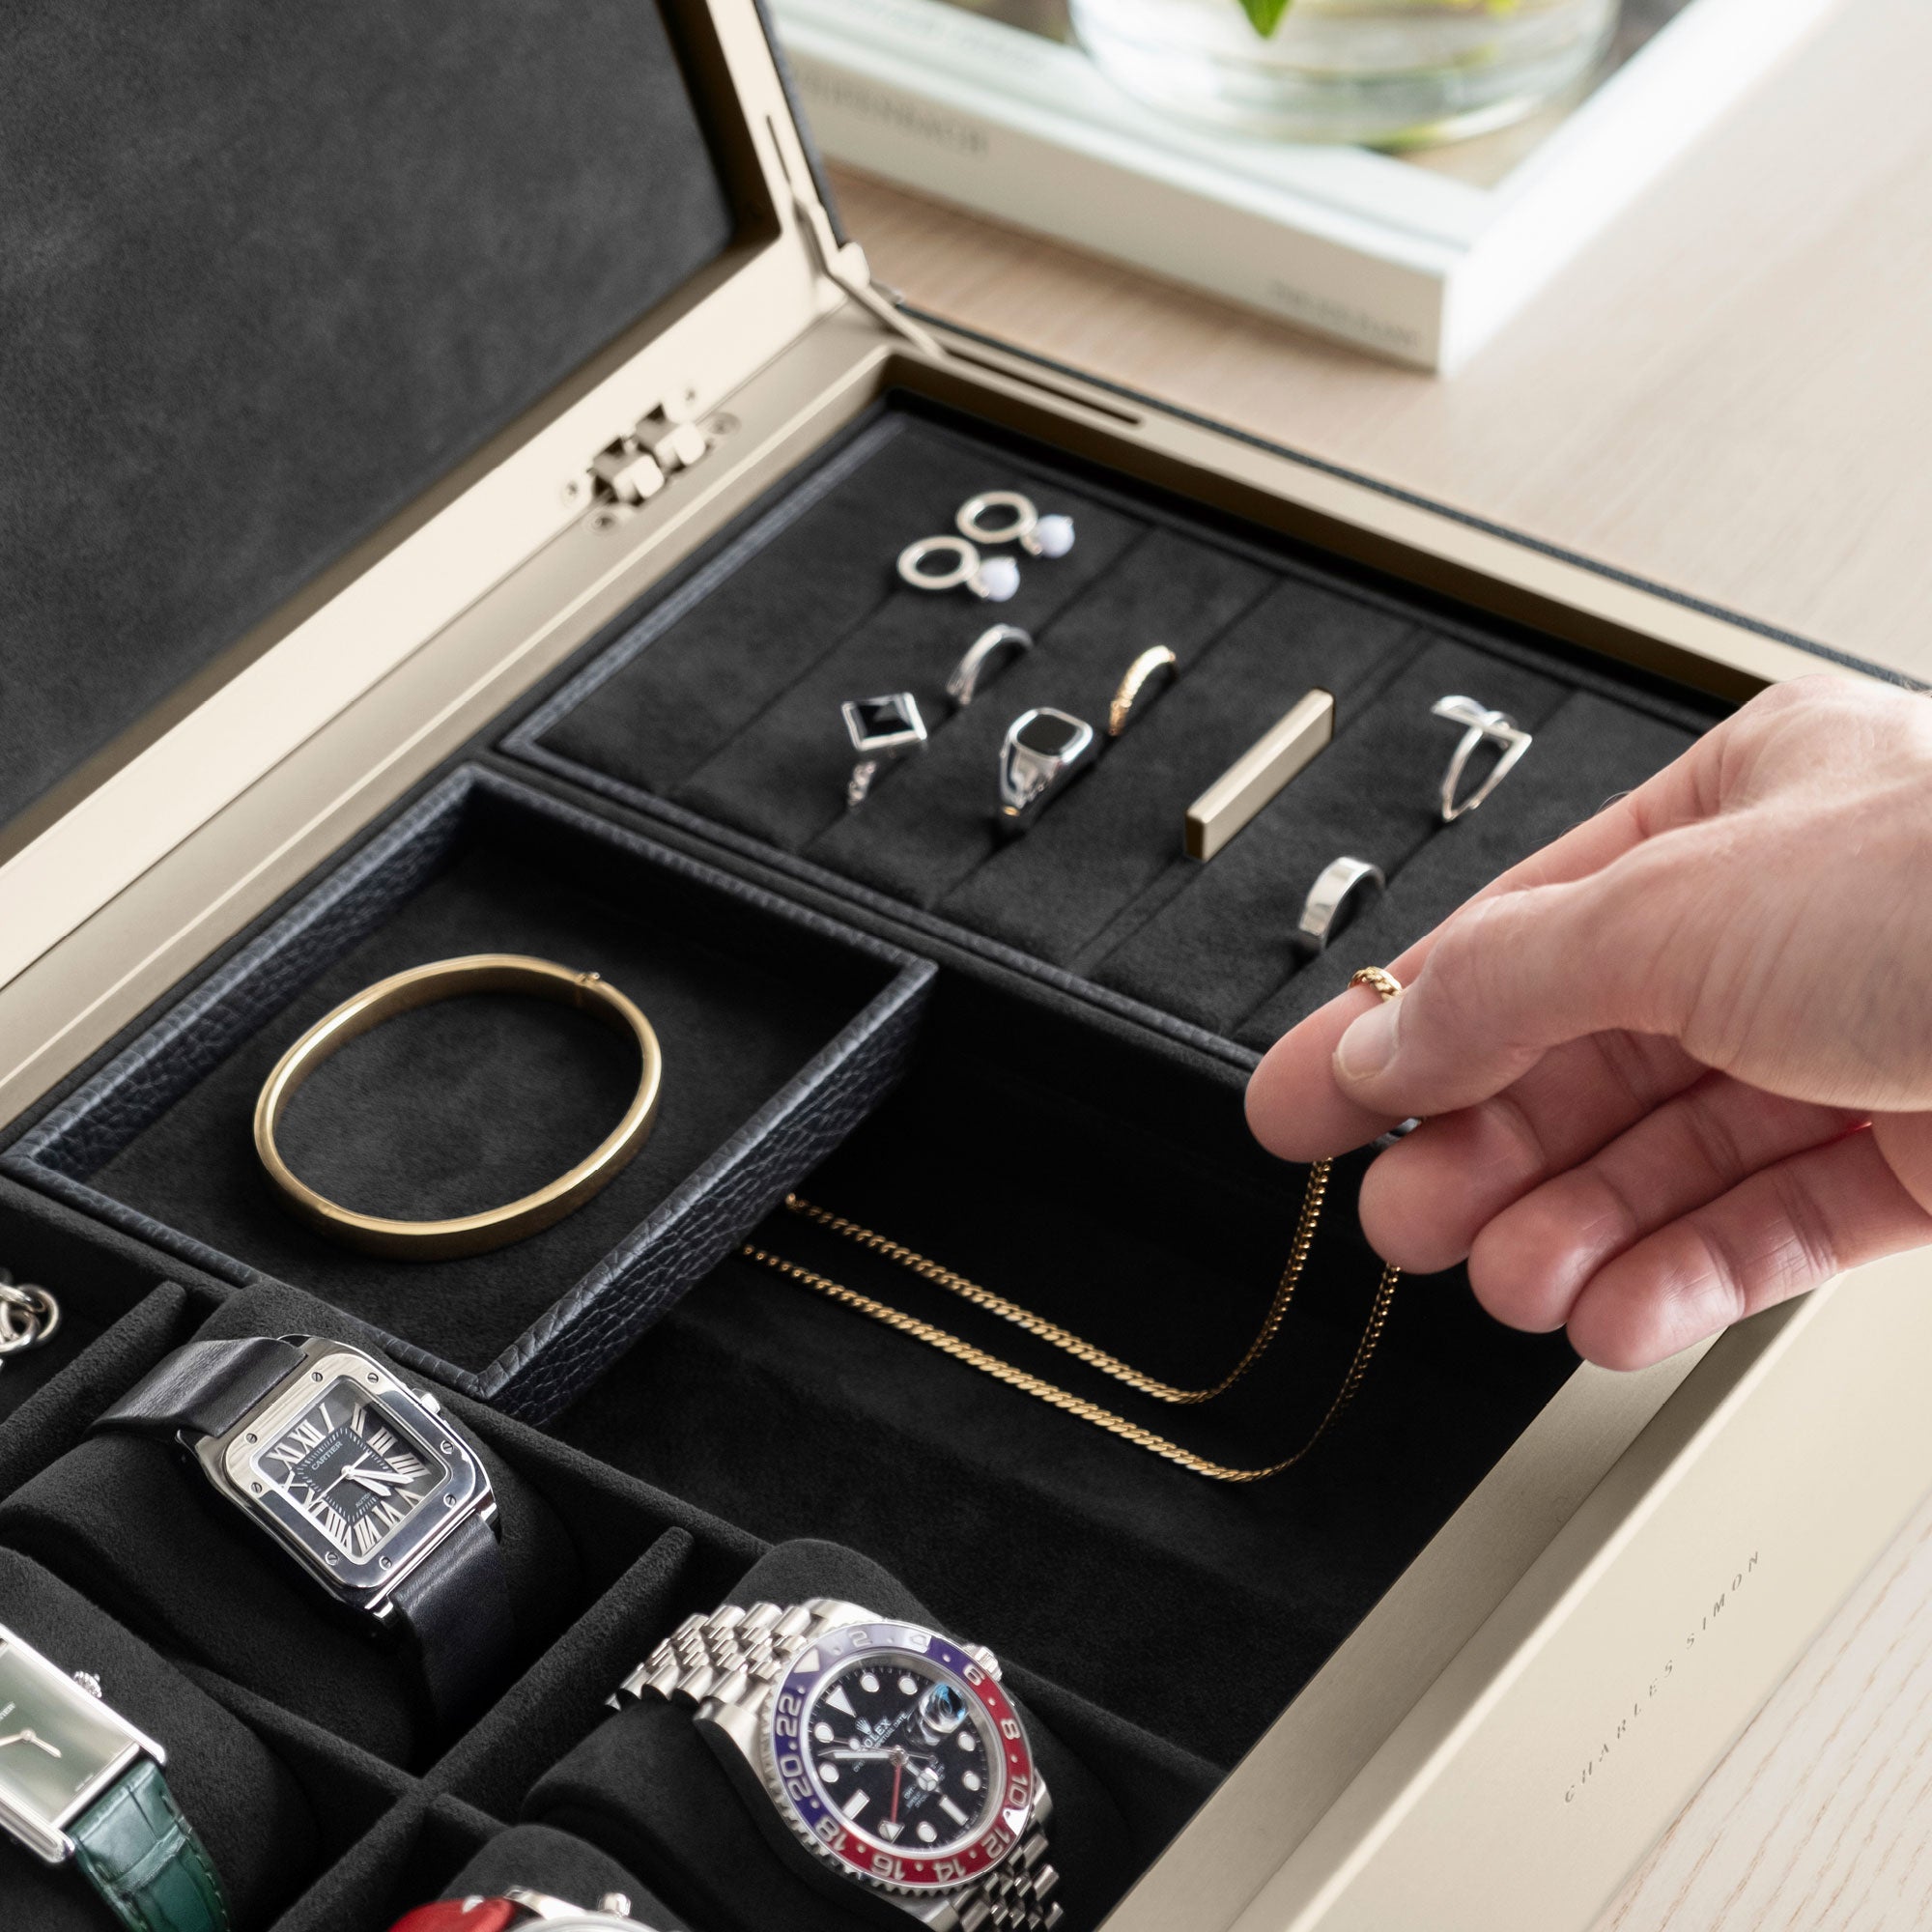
<point>1295,1107</point>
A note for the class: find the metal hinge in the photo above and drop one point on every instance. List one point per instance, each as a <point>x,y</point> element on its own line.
<point>638,463</point>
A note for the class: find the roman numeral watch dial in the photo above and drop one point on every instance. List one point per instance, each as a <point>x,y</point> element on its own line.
<point>359,1479</point>
<point>353,1471</point>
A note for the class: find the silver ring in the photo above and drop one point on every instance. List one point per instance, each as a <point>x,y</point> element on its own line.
<point>1041,749</point>
<point>1022,523</point>
<point>993,578</point>
<point>882,730</point>
<point>1322,913</point>
<point>29,1316</point>
<point>1483,725</point>
<point>963,685</point>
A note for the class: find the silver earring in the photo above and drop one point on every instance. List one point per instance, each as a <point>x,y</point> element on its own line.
<point>1005,516</point>
<point>882,730</point>
<point>992,577</point>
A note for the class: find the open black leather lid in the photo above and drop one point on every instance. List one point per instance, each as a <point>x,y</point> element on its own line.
<point>267,275</point>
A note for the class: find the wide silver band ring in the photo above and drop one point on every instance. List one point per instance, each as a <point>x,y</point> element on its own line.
<point>882,730</point>
<point>994,578</point>
<point>1006,515</point>
<point>1483,725</point>
<point>1345,884</point>
<point>995,640</point>
<point>1042,750</point>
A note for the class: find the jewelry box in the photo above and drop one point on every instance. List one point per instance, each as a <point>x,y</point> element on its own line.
<point>457,479</point>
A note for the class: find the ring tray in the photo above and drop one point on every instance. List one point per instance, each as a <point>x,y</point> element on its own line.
<point>715,708</point>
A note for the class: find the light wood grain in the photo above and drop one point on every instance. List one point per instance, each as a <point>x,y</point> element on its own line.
<point>1729,393</point>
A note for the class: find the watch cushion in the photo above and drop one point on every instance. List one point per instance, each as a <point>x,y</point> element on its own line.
<point>647,1786</point>
<point>130,1522</point>
<point>244,1803</point>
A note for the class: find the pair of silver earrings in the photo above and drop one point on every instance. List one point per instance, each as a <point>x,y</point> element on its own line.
<point>993,516</point>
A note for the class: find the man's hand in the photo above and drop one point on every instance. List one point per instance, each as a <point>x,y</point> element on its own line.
<point>1677,1066</point>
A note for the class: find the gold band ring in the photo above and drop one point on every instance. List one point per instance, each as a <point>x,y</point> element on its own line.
<point>1151,663</point>
<point>1380,977</point>
<point>424,986</point>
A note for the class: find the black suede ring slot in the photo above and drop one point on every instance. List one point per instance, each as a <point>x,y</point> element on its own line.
<point>717,709</point>
<point>778,1028</point>
<point>1224,942</point>
<point>647,1788</point>
<point>249,1811</point>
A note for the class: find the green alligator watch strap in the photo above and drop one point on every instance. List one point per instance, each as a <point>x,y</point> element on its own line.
<point>145,1860</point>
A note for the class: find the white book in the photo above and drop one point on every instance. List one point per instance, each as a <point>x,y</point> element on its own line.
<point>1420,263</point>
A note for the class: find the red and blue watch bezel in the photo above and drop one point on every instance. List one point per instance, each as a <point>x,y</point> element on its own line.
<point>825,1832</point>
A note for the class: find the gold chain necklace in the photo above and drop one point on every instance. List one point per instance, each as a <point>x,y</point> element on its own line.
<point>1093,1357</point>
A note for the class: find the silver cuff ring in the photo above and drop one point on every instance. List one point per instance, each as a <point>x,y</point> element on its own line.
<point>1005,516</point>
<point>971,672</point>
<point>1041,749</point>
<point>882,730</point>
<point>993,578</point>
<point>1333,899</point>
<point>1482,726</point>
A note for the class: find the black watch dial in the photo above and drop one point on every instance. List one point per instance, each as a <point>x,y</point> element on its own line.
<point>903,1754</point>
<point>353,1470</point>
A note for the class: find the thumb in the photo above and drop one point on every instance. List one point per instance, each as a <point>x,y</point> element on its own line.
<point>1514,975</point>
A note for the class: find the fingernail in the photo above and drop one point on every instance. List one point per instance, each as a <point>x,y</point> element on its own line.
<point>1369,1044</point>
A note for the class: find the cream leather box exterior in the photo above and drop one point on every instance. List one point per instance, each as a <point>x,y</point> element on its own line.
<point>1519,1718</point>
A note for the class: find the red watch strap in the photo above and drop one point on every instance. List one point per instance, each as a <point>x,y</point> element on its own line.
<point>461,1914</point>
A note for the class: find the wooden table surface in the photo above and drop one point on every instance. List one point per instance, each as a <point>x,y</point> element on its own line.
<point>1730,392</point>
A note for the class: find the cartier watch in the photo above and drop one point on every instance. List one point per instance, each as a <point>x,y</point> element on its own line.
<point>882,1760</point>
<point>80,1782</point>
<point>519,1907</point>
<point>364,1483</point>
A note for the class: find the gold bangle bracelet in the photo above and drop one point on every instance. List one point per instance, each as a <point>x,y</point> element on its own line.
<point>424,986</point>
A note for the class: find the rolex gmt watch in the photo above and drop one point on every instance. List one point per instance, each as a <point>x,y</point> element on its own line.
<point>882,1761</point>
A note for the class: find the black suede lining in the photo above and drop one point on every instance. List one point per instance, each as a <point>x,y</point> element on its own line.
<point>718,708</point>
<point>1124,1199</point>
<point>260,288</point>
<point>758,1009</point>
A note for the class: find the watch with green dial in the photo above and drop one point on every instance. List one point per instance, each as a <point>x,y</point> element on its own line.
<point>80,1782</point>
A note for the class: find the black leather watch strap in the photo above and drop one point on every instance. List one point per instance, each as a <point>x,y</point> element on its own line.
<point>203,1388</point>
<point>456,1607</point>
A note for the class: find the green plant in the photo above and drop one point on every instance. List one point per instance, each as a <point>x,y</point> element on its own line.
<point>1265,16</point>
